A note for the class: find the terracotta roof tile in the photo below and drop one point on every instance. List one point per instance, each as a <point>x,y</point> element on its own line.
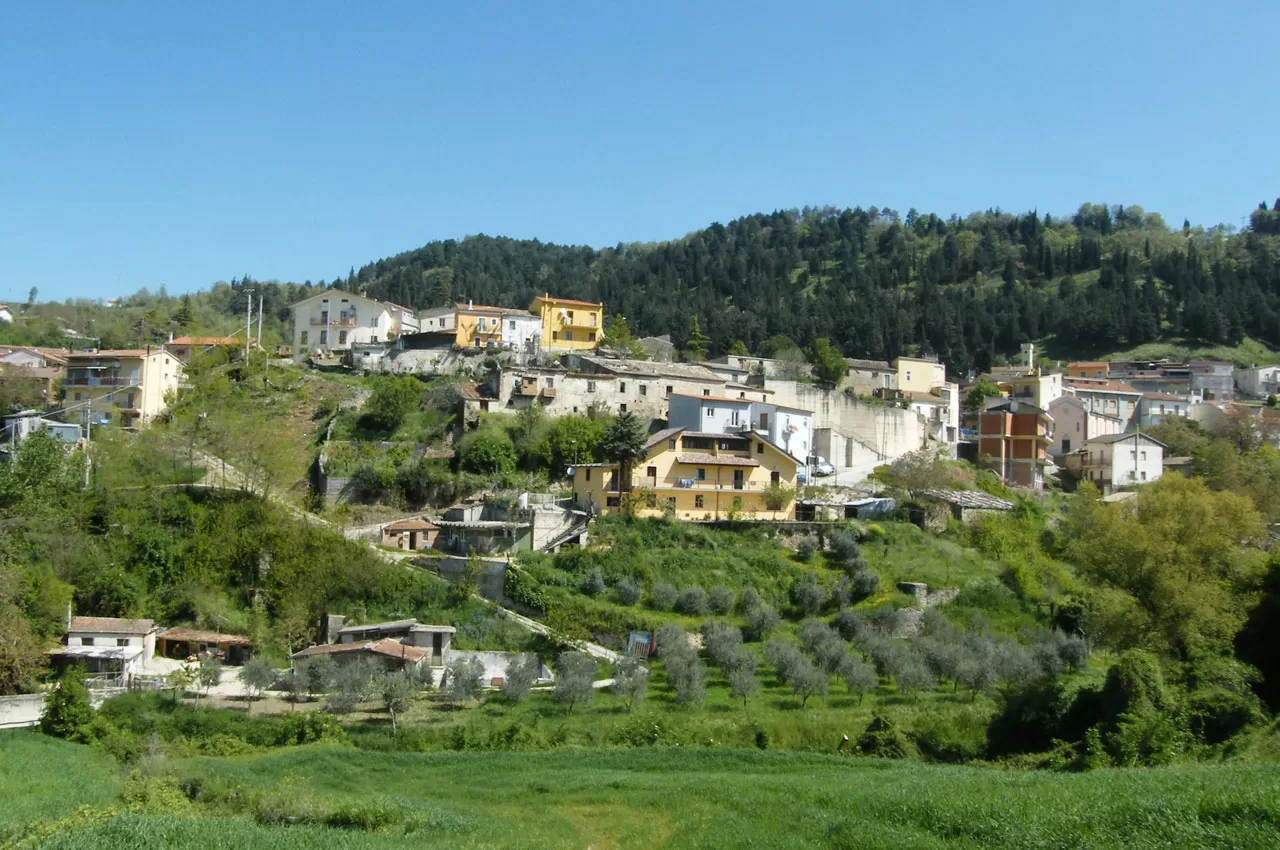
<point>111,625</point>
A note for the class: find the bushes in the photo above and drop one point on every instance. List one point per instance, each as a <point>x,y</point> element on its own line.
<point>663,596</point>
<point>882,739</point>
<point>628,591</point>
<point>487,450</point>
<point>692,601</point>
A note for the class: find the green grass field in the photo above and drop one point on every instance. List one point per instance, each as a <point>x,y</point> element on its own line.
<point>658,797</point>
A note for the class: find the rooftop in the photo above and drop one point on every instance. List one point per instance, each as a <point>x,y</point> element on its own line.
<point>719,398</point>
<point>111,626</point>
<point>409,525</point>
<point>658,437</point>
<point>1089,364</point>
<point>387,647</point>
<point>1119,438</point>
<point>117,352</point>
<point>389,625</point>
<point>206,340</point>
<point>201,636</point>
<point>653,369</point>
<point>1095,385</point>
<point>881,365</point>
<point>551,299</point>
<point>971,499</point>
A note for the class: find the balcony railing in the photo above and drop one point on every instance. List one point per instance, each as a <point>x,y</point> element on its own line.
<point>83,381</point>
<point>701,486</point>
<point>589,321</point>
<point>335,321</point>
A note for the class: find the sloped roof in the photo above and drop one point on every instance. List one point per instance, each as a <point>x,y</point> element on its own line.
<point>971,499</point>
<point>409,525</point>
<point>111,626</point>
<point>385,626</point>
<point>716,398</point>
<point>201,636</point>
<point>206,340</point>
<point>658,437</point>
<point>1128,435</point>
<point>387,647</point>
<point>551,299</point>
<point>1164,397</point>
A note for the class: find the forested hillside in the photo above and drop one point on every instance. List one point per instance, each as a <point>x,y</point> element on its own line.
<point>878,284</point>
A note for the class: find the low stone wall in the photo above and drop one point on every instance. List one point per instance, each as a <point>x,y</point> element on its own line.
<point>17,712</point>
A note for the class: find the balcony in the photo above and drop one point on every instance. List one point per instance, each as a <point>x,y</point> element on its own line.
<point>548,392</point>
<point>587,321</point>
<point>699,486</point>
<point>338,322</point>
<point>99,381</point>
<point>528,389</point>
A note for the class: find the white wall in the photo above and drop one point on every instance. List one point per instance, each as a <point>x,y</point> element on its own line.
<point>1134,461</point>
<point>373,323</point>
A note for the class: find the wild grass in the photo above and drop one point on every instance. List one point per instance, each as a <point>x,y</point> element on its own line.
<point>42,778</point>
<point>675,797</point>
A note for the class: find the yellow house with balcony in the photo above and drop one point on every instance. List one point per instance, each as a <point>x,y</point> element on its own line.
<point>693,475</point>
<point>569,325</point>
<point>135,384</point>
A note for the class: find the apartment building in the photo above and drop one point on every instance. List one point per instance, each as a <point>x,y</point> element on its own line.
<point>134,384</point>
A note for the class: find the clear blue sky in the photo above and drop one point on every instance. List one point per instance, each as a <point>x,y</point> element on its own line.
<point>182,143</point>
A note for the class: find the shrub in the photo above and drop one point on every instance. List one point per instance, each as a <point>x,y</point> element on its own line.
<point>631,681</point>
<point>663,596</point>
<point>522,671</point>
<point>487,450</point>
<point>850,624</point>
<point>883,740</point>
<point>592,583</point>
<point>463,679</point>
<point>809,596</point>
<point>720,600</point>
<point>628,591</point>
<point>692,601</point>
<point>749,599</point>
<point>67,713</point>
<point>864,583</point>
<point>844,547</point>
<point>807,548</point>
<point>575,672</point>
<point>761,621</point>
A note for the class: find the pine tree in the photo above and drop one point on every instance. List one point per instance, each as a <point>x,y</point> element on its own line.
<point>698,343</point>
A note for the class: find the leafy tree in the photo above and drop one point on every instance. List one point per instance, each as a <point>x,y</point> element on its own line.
<point>208,676</point>
<point>692,601</point>
<point>487,450</point>
<point>720,600</point>
<point>975,401</point>
<point>687,678</point>
<point>743,683</point>
<point>628,591</point>
<point>463,679</point>
<point>392,399</point>
<point>575,675</point>
<point>859,676</point>
<point>522,671</point>
<point>256,676</point>
<point>317,673</point>
<point>624,443</point>
<point>827,361</point>
<point>631,681</point>
<point>67,713</point>
<point>592,583</point>
<point>662,597</point>
<point>761,622</point>
<point>396,691</point>
<point>352,685</point>
<point>807,680</point>
<point>21,660</point>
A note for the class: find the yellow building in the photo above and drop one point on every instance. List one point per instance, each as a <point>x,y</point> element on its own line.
<point>697,476</point>
<point>568,325</point>
<point>478,326</point>
<point>135,383</point>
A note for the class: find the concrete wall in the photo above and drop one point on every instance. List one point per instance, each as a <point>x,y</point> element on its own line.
<point>493,575</point>
<point>879,433</point>
<point>22,710</point>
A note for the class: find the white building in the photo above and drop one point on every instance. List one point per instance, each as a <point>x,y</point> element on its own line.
<point>437,319</point>
<point>1259,381</point>
<point>1158,408</point>
<point>1120,460</point>
<point>334,320</point>
<point>107,645</point>
<point>1075,424</point>
<point>788,428</point>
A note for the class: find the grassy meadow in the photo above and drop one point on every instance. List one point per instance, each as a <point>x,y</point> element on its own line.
<point>655,797</point>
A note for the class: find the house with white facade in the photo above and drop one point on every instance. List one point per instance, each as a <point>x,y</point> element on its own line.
<point>788,428</point>
<point>1158,408</point>
<point>1075,424</point>
<point>109,646</point>
<point>1118,460</point>
<point>1259,381</point>
<point>334,321</point>
<point>437,319</point>
<point>869,377</point>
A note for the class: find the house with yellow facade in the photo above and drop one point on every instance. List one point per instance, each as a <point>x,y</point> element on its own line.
<point>136,384</point>
<point>568,325</point>
<point>695,475</point>
<point>480,326</point>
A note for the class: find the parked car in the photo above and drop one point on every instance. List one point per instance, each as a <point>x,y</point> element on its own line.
<point>821,466</point>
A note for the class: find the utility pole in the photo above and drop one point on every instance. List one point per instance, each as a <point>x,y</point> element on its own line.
<point>260,296</point>
<point>88,432</point>
<point>248,321</point>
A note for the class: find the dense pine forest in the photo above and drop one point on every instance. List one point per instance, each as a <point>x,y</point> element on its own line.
<point>876,283</point>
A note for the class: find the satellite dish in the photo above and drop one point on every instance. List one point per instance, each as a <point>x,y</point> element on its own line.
<point>569,472</point>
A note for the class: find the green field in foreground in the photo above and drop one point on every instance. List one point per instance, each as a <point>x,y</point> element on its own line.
<point>331,797</point>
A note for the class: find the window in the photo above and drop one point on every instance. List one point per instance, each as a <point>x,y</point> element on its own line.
<point>733,417</point>
<point>669,388</point>
<point>373,323</point>
<point>711,411</point>
<point>699,474</point>
<point>342,337</point>
<point>775,479</point>
<point>442,323</point>
<point>671,445</point>
<point>908,375</point>
<point>613,502</point>
<point>303,341</point>
<point>760,449</point>
<point>77,396</point>
<point>324,337</point>
<point>699,502</point>
<point>652,472</point>
<point>591,336</point>
<point>568,335</point>
<point>622,408</point>
<point>128,401</point>
<point>1144,455</point>
<point>568,317</point>
<point>622,386</point>
<point>511,326</point>
<point>588,474</point>
<point>644,389</point>
<point>706,392</point>
<point>591,386</point>
<point>85,641</point>
<point>122,641</point>
<point>551,382</point>
<point>1144,476</point>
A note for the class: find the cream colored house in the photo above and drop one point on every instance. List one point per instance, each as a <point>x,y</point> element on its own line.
<point>334,320</point>
<point>695,475</point>
<point>568,325</point>
<point>133,383</point>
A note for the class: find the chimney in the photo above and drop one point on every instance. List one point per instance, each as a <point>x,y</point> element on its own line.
<point>68,615</point>
<point>468,303</point>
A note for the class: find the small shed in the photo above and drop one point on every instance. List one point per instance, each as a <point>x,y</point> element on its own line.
<point>412,535</point>
<point>967,505</point>
<point>182,642</point>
